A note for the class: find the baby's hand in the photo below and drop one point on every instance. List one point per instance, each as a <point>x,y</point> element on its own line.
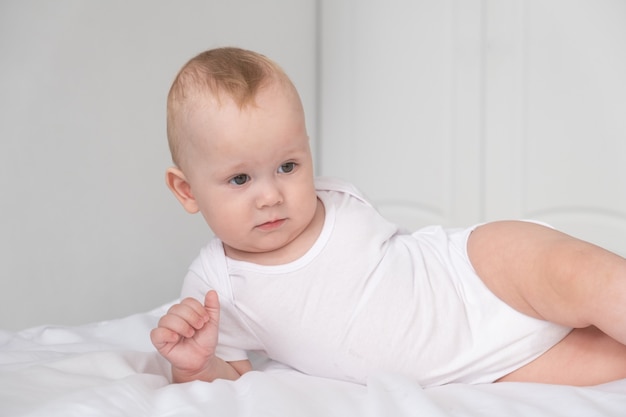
<point>187,335</point>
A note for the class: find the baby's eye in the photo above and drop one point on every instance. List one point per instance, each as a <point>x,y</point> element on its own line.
<point>287,167</point>
<point>240,179</point>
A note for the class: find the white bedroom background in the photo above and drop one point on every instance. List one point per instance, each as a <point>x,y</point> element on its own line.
<point>462,111</point>
<point>442,111</point>
<point>88,230</point>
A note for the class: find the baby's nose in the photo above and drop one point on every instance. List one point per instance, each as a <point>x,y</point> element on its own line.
<point>269,195</point>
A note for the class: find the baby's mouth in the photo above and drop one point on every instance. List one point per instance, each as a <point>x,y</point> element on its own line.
<point>271,225</point>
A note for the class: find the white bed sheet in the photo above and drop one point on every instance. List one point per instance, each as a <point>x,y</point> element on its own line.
<point>110,369</point>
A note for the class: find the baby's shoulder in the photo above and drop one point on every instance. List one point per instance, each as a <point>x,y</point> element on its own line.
<point>210,265</point>
<point>332,184</point>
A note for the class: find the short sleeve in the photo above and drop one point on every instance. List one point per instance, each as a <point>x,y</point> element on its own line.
<point>208,272</point>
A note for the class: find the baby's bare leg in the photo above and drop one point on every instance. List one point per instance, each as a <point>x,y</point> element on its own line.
<point>584,357</point>
<point>551,276</point>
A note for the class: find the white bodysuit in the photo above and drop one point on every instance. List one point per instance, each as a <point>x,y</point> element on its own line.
<point>368,298</point>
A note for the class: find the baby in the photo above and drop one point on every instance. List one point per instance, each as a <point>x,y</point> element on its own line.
<point>305,270</point>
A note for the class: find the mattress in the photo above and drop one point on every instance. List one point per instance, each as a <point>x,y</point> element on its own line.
<point>110,368</point>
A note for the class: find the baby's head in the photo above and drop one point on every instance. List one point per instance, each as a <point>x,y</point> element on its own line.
<point>217,76</point>
<point>237,134</point>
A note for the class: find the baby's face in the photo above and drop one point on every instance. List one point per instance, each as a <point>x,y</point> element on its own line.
<point>251,173</point>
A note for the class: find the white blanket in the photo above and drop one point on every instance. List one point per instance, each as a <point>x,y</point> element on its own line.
<point>110,369</point>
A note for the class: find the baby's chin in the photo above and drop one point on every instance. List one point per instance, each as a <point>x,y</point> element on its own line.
<point>274,253</point>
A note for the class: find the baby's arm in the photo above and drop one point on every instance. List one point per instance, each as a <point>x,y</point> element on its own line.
<point>187,337</point>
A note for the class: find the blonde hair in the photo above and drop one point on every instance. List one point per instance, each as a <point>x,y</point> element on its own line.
<point>237,73</point>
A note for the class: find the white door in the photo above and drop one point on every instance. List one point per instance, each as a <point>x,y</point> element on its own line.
<point>457,112</point>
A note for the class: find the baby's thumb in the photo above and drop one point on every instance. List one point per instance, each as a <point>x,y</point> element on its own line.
<point>211,299</point>
<point>212,305</point>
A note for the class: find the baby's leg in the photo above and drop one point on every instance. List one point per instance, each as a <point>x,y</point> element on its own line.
<point>584,357</point>
<point>551,276</point>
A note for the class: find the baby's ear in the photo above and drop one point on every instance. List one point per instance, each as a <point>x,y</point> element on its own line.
<point>177,183</point>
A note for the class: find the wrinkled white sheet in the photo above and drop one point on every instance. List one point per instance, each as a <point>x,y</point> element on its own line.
<point>110,369</point>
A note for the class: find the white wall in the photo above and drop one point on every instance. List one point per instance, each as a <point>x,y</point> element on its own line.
<point>88,230</point>
<point>456,112</point>
<point>443,111</point>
